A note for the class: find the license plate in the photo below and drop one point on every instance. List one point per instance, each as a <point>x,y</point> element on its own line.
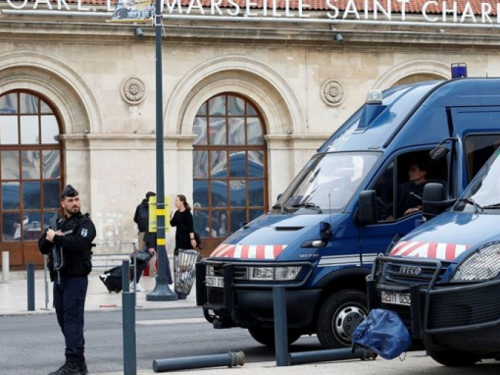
<point>396,298</point>
<point>214,281</point>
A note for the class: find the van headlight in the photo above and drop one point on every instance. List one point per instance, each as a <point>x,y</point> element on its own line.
<point>285,273</point>
<point>483,264</point>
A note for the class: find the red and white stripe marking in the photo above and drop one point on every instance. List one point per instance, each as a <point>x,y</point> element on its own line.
<point>436,250</point>
<point>248,251</point>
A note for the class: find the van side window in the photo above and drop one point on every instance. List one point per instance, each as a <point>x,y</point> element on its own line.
<point>478,148</point>
<point>414,171</point>
<point>400,187</point>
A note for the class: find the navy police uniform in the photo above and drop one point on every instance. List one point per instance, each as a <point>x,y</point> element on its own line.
<point>69,265</point>
<point>409,196</point>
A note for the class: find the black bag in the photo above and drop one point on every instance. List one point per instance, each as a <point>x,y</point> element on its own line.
<point>198,240</point>
<point>112,279</point>
<point>141,256</point>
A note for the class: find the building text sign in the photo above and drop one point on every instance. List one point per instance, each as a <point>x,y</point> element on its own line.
<point>431,11</point>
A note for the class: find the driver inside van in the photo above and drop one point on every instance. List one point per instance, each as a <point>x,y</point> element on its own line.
<point>410,193</point>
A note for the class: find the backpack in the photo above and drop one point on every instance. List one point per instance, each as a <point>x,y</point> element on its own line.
<point>382,332</point>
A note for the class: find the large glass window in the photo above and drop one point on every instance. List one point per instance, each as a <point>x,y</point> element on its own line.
<point>30,165</point>
<point>229,165</point>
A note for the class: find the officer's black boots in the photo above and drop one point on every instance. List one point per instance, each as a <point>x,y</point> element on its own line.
<point>83,368</point>
<point>69,368</point>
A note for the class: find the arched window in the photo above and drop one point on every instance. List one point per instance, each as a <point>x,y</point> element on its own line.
<point>229,166</point>
<point>30,168</point>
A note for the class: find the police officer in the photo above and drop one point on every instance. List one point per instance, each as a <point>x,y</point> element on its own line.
<point>410,193</point>
<point>68,246</point>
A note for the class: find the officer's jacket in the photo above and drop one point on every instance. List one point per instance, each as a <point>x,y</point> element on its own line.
<point>76,245</point>
<point>409,196</point>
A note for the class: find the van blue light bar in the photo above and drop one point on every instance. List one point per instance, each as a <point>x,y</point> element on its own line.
<point>458,70</point>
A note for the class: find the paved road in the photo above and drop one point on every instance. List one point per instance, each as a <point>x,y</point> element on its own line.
<point>33,345</point>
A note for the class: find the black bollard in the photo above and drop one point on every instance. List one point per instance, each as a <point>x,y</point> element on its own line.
<point>229,359</point>
<point>30,278</point>
<point>129,348</point>
<point>328,355</point>
<point>280,326</point>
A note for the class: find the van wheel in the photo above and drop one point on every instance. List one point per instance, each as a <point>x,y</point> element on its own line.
<point>453,358</point>
<point>265,336</point>
<point>338,317</point>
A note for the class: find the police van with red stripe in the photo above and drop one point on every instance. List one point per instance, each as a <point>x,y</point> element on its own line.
<point>318,243</point>
<point>443,279</point>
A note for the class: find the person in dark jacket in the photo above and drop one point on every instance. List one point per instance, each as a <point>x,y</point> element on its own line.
<point>150,241</point>
<point>141,265</point>
<point>410,193</point>
<point>141,218</point>
<point>182,219</point>
<point>69,248</point>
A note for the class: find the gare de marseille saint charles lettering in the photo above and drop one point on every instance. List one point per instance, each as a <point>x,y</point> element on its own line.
<point>381,10</point>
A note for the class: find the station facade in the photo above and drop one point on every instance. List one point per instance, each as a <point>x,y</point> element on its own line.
<point>245,105</point>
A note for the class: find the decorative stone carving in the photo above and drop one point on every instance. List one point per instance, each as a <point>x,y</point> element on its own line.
<point>133,90</point>
<point>332,92</point>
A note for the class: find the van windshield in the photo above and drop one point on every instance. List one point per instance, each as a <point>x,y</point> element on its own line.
<point>483,193</point>
<point>327,183</point>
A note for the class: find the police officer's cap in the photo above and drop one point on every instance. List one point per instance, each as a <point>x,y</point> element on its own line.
<point>150,194</point>
<point>69,191</point>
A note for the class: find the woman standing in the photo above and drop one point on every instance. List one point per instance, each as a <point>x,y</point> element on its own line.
<point>184,235</point>
<point>183,220</point>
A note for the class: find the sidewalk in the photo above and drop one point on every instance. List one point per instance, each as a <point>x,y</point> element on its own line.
<point>14,295</point>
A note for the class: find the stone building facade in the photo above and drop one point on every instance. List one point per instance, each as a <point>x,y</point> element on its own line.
<point>299,82</point>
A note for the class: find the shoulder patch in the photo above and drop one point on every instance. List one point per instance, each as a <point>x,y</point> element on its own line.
<point>84,232</point>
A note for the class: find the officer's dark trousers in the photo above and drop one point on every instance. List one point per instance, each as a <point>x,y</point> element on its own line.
<point>69,302</point>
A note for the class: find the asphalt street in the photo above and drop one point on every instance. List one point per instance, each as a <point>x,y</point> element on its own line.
<point>32,344</point>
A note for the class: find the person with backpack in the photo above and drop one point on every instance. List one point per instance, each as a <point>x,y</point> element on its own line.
<point>141,218</point>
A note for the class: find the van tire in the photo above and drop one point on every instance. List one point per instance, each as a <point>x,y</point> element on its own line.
<point>338,317</point>
<point>265,336</point>
<point>453,358</point>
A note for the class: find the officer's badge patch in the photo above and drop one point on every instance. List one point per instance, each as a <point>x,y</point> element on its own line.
<point>84,232</point>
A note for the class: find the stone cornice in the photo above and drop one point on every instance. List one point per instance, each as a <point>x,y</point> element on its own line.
<point>177,141</point>
<point>297,142</point>
<point>124,141</point>
<point>296,137</point>
<point>316,36</point>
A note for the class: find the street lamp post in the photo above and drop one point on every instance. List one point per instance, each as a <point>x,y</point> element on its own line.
<point>162,292</point>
